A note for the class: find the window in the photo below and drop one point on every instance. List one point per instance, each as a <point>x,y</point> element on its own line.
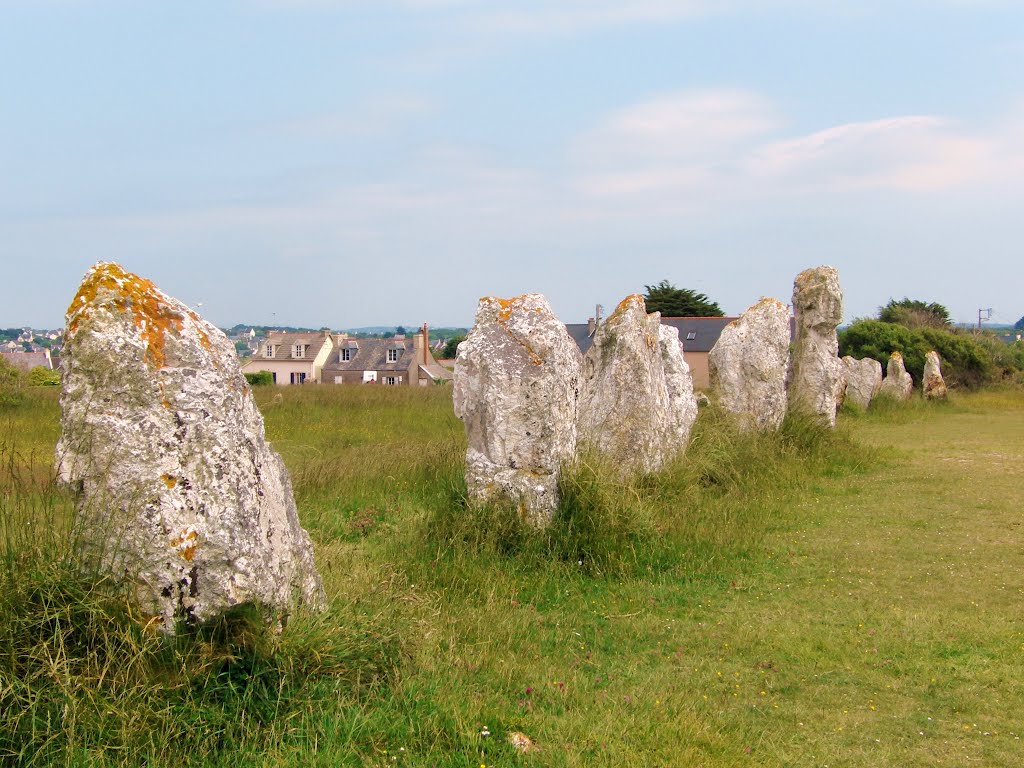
<point>393,355</point>
<point>346,354</point>
<point>339,380</point>
<point>691,335</point>
<point>299,351</point>
<point>298,378</point>
<point>268,351</point>
<point>390,380</point>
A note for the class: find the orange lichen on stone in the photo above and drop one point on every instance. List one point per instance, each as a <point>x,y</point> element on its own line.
<point>505,309</point>
<point>169,480</point>
<point>154,316</point>
<point>187,543</point>
<point>633,298</point>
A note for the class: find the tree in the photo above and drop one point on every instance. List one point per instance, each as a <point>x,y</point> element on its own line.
<point>1019,325</point>
<point>912,313</point>
<point>679,302</point>
<point>451,348</point>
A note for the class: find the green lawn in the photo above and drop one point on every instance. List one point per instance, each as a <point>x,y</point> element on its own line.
<point>792,601</point>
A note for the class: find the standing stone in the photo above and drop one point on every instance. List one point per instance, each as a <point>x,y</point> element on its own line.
<point>517,379</point>
<point>898,383</point>
<point>682,403</point>
<point>629,411</point>
<point>815,376</point>
<point>748,365</point>
<point>932,383</point>
<point>863,379</point>
<point>178,489</point>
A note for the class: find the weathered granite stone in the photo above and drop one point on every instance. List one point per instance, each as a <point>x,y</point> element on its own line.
<point>179,490</point>
<point>682,403</point>
<point>748,365</point>
<point>517,379</point>
<point>932,383</point>
<point>815,371</point>
<point>636,402</point>
<point>898,383</point>
<point>863,378</point>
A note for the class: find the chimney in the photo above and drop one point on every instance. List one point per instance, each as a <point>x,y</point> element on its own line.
<point>426,343</point>
<point>591,326</point>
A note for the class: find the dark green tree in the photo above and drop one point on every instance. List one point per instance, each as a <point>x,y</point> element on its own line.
<point>912,313</point>
<point>451,348</point>
<point>679,302</point>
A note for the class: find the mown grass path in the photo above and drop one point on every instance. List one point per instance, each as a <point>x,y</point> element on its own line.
<point>889,630</point>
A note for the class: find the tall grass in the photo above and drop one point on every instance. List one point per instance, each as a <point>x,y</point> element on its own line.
<point>84,681</point>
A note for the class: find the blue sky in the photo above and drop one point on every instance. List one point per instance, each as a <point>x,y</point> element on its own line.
<point>344,162</point>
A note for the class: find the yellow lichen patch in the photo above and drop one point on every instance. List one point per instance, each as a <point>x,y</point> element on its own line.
<point>169,480</point>
<point>633,298</point>
<point>187,543</point>
<point>154,316</point>
<point>505,309</point>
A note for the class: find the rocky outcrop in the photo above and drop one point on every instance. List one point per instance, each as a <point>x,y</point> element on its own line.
<point>897,384</point>
<point>863,379</point>
<point>178,489</point>
<point>517,379</point>
<point>932,384</point>
<point>748,365</point>
<point>636,402</point>
<point>815,375</point>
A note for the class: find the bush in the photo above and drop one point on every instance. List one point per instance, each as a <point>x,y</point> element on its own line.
<point>967,360</point>
<point>11,384</point>
<point>43,377</point>
<point>260,378</point>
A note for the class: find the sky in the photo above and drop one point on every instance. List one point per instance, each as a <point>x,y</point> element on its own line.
<point>346,163</point>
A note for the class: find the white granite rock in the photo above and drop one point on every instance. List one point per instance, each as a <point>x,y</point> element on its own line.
<point>517,380</point>
<point>748,365</point>
<point>179,492</point>
<point>863,379</point>
<point>932,384</point>
<point>815,375</point>
<point>636,401</point>
<point>682,402</point>
<point>898,383</point>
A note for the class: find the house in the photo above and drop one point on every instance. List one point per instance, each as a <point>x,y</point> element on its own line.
<point>697,334</point>
<point>292,358</point>
<point>395,361</point>
<point>26,361</point>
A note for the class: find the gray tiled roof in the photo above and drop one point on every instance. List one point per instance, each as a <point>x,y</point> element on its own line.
<point>372,355</point>
<point>284,343</point>
<point>705,331</point>
<point>26,361</point>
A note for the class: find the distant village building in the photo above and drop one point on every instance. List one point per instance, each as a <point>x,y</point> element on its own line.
<point>301,358</point>
<point>398,361</point>
<point>26,361</point>
<point>292,358</point>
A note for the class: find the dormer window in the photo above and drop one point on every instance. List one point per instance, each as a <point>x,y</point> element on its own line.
<point>299,350</point>
<point>268,351</point>
<point>346,355</point>
<point>393,355</point>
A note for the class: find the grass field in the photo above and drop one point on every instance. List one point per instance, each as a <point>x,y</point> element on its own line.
<point>798,599</point>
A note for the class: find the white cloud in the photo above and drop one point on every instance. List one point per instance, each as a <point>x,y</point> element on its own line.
<point>700,147</point>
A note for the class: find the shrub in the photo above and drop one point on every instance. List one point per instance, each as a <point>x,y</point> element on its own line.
<point>11,384</point>
<point>259,378</point>
<point>43,377</point>
<point>967,360</point>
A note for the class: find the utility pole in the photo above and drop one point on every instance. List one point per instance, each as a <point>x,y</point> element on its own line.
<point>988,316</point>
